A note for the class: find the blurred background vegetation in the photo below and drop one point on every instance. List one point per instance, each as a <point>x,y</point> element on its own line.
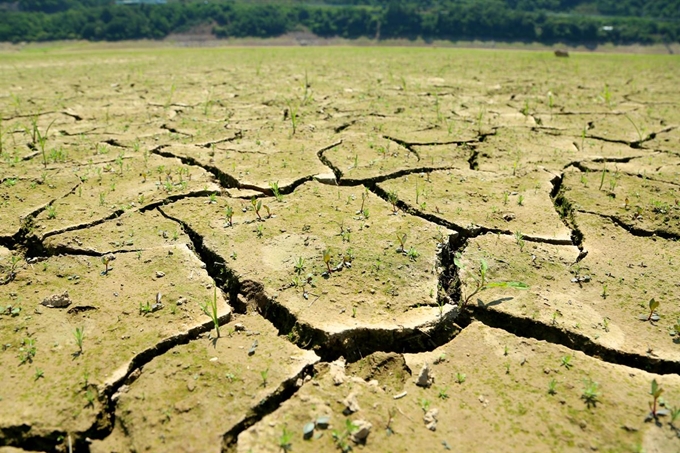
<point>584,22</point>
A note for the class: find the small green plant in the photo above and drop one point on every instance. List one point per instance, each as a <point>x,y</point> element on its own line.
<point>212,198</point>
<point>229,215</point>
<point>257,205</point>
<point>27,351</point>
<point>520,200</point>
<point>653,316</point>
<point>480,279</point>
<point>341,438</point>
<point>655,412</point>
<point>39,138</point>
<point>210,309</point>
<point>401,237</point>
<point>264,375</point>
<point>393,200</point>
<point>286,440</point>
<point>299,265</point>
<point>259,230</point>
<point>145,309</point>
<point>566,361</point>
<point>79,335</point>
<point>604,291</point>
<point>412,254</point>
<point>552,387</point>
<point>519,238</point>
<point>604,172</point>
<point>275,189</point>
<point>293,117</point>
<point>51,212</point>
<point>38,374</point>
<point>327,259</point>
<point>460,378</point>
<point>425,404</point>
<point>591,393</point>
<point>443,395</point>
<point>106,259</point>
<point>90,397</point>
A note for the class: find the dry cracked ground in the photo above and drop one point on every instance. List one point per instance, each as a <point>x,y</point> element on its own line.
<point>378,250</point>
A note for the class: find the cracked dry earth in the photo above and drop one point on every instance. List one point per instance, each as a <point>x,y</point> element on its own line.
<point>147,196</point>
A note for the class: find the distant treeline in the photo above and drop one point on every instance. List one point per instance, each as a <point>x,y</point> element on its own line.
<point>548,21</point>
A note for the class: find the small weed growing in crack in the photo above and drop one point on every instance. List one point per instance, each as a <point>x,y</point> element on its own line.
<point>480,279</point>
<point>341,438</point>
<point>552,387</point>
<point>210,309</point>
<point>604,292</point>
<point>264,375</point>
<point>460,378</point>
<point>27,351</point>
<point>38,374</point>
<point>285,441</point>
<point>275,189</point>
<point>212,198</point>
<point>653,305</point>
<point>51,212</point>
<point>519,238</point>
<point>656,392</point>
<point>229,215</point>
<point>79,335</point>
<point>591,393</point>
<point>566,362</point>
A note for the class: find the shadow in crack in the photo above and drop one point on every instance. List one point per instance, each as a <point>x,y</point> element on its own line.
<point>481,304</point>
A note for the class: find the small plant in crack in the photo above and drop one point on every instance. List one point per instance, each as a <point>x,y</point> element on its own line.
<point>591,394</point>
<point>655,412</point>
<point>264,374</point>
<point>519,238</point>
<point>229,215</point>
<point>79,336</point>
<point>210,309</point>
<point>51,212</point>
<point>212,198</point>
<point>653,316</point>
<point>393,200</point>
<point>275,190</point>
<point>480,279</point>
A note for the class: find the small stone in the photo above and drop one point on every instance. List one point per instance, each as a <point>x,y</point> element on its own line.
<point>184,406</point>
<point>181,301</point>
<point>509,217</point>
<point>351,404</point>
<point>238,327</point>
<point>399,395</point>
<point>308,430</point>
<point>191,385</point>
<point>57,300</point>
<point>337,370</point>
<point>424,378</point>
<point>170,252</point>
<point>430,419</point>
<point>362,431</point>
<point>160,274</point>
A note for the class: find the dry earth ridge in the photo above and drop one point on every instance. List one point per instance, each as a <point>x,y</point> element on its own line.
<point>331,212</point>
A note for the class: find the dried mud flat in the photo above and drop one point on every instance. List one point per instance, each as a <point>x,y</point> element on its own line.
<point>404,250</point>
